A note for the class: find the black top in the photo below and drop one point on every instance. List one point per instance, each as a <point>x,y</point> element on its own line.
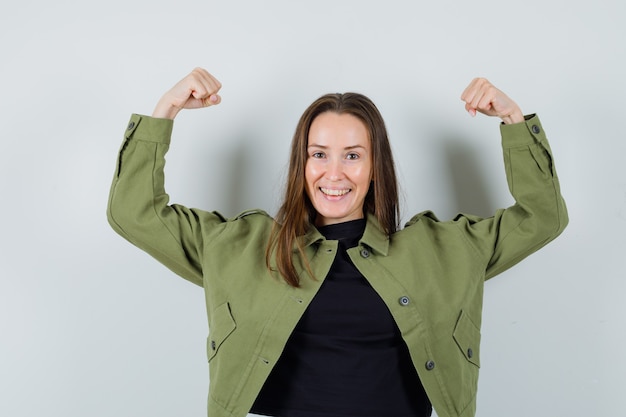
<point>346,356</point>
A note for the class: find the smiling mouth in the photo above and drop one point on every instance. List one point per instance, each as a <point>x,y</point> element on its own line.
<point>335,193</point>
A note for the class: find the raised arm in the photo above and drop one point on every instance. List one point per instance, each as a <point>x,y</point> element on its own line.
<point>539,214</point>
<point>138,207</point>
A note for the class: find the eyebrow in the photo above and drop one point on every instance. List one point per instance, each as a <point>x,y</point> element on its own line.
<point>314,145</point>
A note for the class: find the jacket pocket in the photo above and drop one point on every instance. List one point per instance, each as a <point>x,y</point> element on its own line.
<point>221,326</point>
<point>467,337</point>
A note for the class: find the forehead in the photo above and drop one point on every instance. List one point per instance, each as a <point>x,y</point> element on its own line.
<point>338,128</point>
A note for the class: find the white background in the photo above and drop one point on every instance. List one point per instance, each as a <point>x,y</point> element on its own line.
<point>91,326</point>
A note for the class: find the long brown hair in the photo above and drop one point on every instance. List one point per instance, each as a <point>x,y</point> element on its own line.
<point>297,214</point>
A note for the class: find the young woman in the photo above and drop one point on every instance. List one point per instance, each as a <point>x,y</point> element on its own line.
<point>331,309</point>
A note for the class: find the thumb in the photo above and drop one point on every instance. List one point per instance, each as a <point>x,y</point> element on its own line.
<point>471,110</point>
<point>211,100</point>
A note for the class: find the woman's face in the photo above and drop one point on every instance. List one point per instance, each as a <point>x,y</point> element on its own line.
<point>338,167</point>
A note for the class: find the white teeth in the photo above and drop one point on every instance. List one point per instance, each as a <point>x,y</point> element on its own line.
<point>337,193</point>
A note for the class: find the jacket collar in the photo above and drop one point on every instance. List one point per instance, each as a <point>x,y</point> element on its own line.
<point>373,236</point>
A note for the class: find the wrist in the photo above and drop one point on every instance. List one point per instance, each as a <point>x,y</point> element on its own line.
<point>165,110</point>
<point>515,117</point>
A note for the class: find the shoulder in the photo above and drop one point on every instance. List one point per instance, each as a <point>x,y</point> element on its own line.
<point>253,219</point>
<point>426,225</point>
<point>429,217</point>
<point>252,215</point>
<point>248,226</point>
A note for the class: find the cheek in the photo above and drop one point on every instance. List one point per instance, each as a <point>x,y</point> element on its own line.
<point>312,172</point>
<point>363,175</point>
<point>309,177</point>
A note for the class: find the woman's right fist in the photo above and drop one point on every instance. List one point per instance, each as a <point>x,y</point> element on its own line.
<point>198,89</point>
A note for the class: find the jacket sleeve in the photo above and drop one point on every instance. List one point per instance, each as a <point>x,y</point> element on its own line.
<point>539,214</point>
<point>138,206</point>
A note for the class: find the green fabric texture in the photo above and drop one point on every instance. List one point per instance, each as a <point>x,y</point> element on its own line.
<point>430,274</point>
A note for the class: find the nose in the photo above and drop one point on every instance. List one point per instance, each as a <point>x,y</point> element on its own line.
<point>335,170</point>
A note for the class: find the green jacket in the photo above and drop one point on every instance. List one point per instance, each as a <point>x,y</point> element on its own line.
<point>430,274</point>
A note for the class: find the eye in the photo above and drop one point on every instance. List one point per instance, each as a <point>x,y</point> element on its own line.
<point>318,155</point>
<point>352,156</point>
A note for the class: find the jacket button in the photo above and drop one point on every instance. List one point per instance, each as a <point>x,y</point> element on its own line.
<point>131,125</point>
<point>404,300</point>
<point>470,353</point>
<point>430,365</point>
<point>213,344</point>
<point>365,253</point>
<point>535,129</point>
